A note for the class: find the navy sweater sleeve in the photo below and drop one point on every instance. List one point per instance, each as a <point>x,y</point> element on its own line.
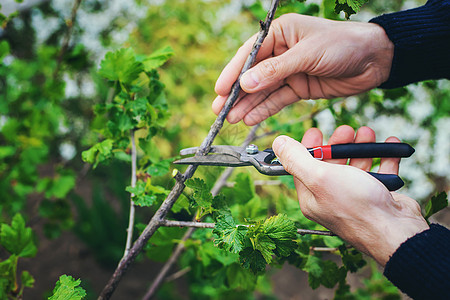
<point>421,38</point>
<point>421,265</point>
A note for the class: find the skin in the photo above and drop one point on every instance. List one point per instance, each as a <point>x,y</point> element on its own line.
<point>305,57</point>
<point>348,201</point>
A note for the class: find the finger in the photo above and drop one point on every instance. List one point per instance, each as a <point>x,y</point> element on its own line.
<point>342,135</point>
<point>247,104</point>
<point>312,138</point>
<point>220,100</point>
<point>271,105</point>
<point>390,165</point>
<point>363,135</point>
<point>295,159</point>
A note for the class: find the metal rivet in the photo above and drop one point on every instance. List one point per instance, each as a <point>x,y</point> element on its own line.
<point>251,149</point>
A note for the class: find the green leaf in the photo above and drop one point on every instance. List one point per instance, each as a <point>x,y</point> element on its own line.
<point>8,269</point>
<point>253,260</point>
<point>157,58</point>
<point>121,66</point>
<point>18,239</point>
<point>201,195</point>
<point>98,153</point>
<point>229,236</point>
<point>349,7</point>
<point>436,203</point>
<point>26,279</point>
<point>282,231</point>
<point>352,259</point>
<point>67,288</point>
<point>160,168</point>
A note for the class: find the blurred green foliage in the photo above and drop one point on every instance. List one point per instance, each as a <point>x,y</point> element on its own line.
<point>54,105</point>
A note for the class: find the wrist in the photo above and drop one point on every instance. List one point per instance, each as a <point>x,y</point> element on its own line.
<point>382,52</point>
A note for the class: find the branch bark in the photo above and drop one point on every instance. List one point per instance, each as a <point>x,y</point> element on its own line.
<point>169,223</point>
<point>204,148</point>
<point>133,184</point>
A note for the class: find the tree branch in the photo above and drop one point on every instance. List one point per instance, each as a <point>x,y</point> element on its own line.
<point>169,223</point>
<point>65,44</point>
<point>133,184</point>
<point>204,148</point>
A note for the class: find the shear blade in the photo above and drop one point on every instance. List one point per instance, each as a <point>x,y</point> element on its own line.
<point>212,160</point>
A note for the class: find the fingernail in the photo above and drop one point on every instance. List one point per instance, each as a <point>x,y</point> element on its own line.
<point>278,144</point>
<point>249,80</point>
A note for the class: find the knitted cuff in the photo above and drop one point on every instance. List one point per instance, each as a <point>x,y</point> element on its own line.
<point>421,265</point>
<point>421,37</point>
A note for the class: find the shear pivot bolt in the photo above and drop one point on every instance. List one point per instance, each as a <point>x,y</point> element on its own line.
<point>251,149</point>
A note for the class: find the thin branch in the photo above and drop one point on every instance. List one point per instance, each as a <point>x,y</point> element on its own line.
<point>178,274</point>
<point>220,182</point>
<point>133,185</point>
<point>179,186</point>
<point>65,45</point>
<point>169,223</point>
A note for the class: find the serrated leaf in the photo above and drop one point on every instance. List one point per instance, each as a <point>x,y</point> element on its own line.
<point>18,239</point>
<point>253,260</point>
<point>282,231</point>
<point>352,259</point>
<point>349,7</point>
<point>436,203</point>
<point>229,236</point>
<point>67,288</point>
<point>121,66</point>
<point>98,153</point>
<point>201,195</point>
<point>157,58</point>
<point>265,245</point>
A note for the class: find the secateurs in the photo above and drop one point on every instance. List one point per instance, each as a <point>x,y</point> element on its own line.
<point>267,163</point>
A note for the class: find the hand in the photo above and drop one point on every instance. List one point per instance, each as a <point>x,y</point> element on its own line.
<point>347,200</point>
<point>305,57</point>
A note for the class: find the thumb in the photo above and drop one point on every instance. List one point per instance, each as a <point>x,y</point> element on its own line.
<point>295,158</point>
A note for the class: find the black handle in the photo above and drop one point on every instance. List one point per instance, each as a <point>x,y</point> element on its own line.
<point>368,150</point>
<point>391,181</point>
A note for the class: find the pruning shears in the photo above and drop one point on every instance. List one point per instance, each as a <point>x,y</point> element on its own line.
<point>267,163</point>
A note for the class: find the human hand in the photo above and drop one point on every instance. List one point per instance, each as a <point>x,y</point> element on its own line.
<point>305,57</point>
<point>347,200</point>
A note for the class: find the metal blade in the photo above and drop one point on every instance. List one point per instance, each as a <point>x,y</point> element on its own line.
<point>219,149</point>
<point>213,160</point>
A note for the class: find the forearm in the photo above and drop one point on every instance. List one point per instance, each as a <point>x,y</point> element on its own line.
<point>421,37</point>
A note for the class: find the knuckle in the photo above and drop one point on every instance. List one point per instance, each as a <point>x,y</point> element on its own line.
<point>269,68</point>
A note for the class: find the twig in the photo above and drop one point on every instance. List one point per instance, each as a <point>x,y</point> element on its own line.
<point>169,223</point>
<point>133,185</point>
<point>178,274</point>
<point>176,191</point>
<point>220,182</point>
<point>65,44</point>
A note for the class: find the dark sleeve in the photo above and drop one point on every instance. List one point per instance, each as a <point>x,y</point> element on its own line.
<point>421,38</point>
<point>421,266</point>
